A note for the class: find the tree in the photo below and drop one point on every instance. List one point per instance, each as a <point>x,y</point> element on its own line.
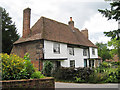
<point>115,45</point>
<point>9,32</point>
<point>113,13</point>
<point>103,51</point>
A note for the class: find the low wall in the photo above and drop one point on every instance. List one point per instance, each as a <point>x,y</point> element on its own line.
<point>47,82</point>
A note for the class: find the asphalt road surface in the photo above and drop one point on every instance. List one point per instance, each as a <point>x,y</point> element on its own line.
<point>83,85</point>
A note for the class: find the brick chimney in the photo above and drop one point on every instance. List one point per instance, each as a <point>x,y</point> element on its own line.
<point>26,22</point>
<point>71,23</point>
<point>85,32</point>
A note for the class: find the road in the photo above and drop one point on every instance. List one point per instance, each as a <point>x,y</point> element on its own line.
<point>83,85</point>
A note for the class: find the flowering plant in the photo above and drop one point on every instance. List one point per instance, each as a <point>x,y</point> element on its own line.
<point>14,67</point>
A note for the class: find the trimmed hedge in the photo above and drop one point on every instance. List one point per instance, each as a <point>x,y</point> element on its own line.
<point>106,73</point>
<point>72,74</point>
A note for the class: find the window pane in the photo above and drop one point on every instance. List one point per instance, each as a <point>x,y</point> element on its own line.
<point>89,63</point>
<point>72,63</point>
<point>84,52</point>
<point>56,48</point>
<point>85,62</point>
<point>71,51</point>
<point>92,63</point>
<point>93,51</point>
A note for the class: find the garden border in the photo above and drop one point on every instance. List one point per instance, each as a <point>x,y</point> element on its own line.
<point>47,82</point>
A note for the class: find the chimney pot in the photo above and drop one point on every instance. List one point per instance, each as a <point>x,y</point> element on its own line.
<point>71,23</point>
<point>70,18</point>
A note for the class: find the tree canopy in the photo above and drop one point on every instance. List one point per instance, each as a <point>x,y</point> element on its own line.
<point>113,13</point>
<point>115,45</point>
<point>103,51</point>
<point>9,32</point>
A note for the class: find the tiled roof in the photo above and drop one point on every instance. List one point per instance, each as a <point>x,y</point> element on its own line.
<point>52,30</point>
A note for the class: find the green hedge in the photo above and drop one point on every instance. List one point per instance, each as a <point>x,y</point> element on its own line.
<point>106,73</point>
<point>72,74</point>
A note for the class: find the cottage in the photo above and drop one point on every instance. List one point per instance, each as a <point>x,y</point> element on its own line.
<point>62,44</point>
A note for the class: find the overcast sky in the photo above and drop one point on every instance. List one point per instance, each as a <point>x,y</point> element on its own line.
<point>84,13</point>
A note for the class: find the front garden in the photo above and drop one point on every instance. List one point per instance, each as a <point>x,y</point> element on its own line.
<point>20,73</point>
<point>16,68</point>
<point>106,73</point>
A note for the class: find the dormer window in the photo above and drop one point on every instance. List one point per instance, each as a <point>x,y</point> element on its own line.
<point>56,48</point>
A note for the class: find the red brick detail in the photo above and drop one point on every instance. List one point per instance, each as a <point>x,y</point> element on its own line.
<point>37,84</point>
<point>41,65</point>
<point>36,64</point>
<point>26,22</point>
<point>85,33</point>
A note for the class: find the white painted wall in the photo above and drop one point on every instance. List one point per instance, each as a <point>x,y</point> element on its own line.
<point>48,50</point>
<point>64,53</point>
<point>79,62</point>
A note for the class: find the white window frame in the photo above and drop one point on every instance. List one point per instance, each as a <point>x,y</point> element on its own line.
<point>71,50</point>
<point>93,51</point>
<point>84,52</point>
<point>91,63</point>
<point>72,62</point>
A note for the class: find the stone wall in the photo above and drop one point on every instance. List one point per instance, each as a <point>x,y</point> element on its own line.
<point>47,82</point>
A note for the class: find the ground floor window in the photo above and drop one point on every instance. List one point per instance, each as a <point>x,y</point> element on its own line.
<point>91,63</point>
<point>72,63</point>
<point>85,62</point>
<point>58,64</point>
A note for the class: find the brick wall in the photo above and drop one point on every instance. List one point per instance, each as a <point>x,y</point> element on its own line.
<point>34,48</point>
<point>47,82</point>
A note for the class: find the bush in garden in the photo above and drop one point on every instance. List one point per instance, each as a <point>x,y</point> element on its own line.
<point>37,75</point>
<point>96,77</point>
<point>105,65</point>
<point>79,80</point>
<point>72,74</point>
<point>28,65</point>
<point>48,65</point>
<point>83,73</point>
<point>106,73</point>
<point>64,73</point>
<point>14,67</point>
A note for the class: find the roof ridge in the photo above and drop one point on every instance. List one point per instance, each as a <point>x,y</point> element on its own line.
<point>58,22</point>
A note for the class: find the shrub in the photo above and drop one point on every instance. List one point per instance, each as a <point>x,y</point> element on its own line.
<point>79,80</point>
<point>96,77</point>
<point>14,67</point>
<point>37,74</point>
<point>47,68</point>
<point>64,73</point>
<point>105,65</point>
<point>106,73</point>
<point>84,73</point>
<point>28,65</point>
<point>72,74</point>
